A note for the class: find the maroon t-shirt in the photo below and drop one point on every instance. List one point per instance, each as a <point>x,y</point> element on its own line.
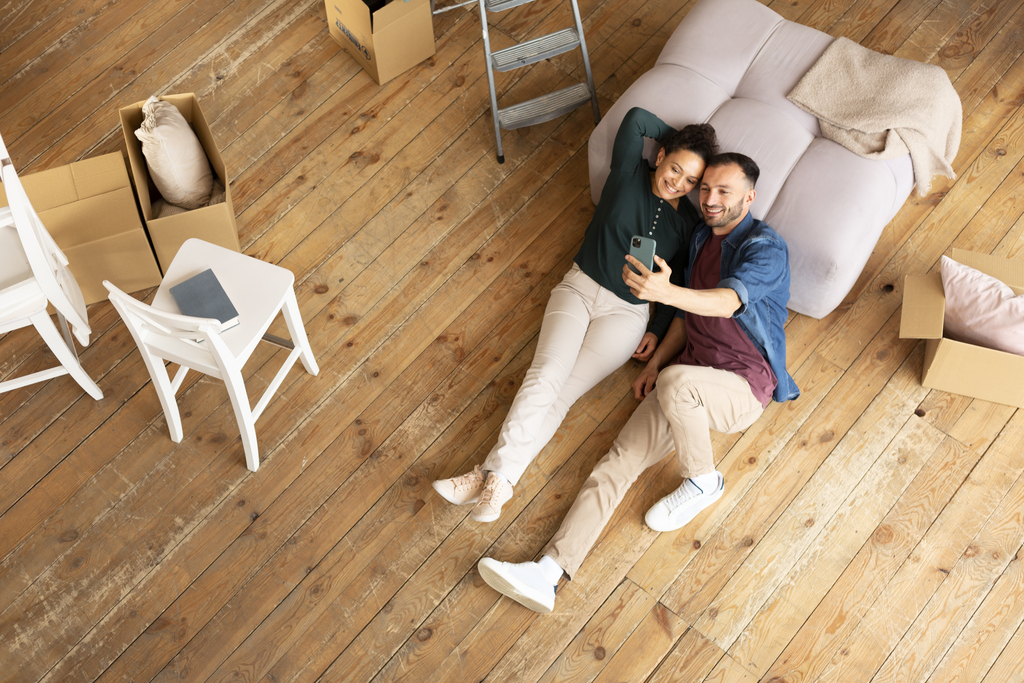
<point>720,342</point>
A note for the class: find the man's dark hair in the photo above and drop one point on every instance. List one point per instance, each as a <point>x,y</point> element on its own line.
<point>746,164</point>
<point>698,138</point>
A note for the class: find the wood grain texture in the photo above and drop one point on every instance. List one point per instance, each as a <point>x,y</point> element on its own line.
<point>869,531</point>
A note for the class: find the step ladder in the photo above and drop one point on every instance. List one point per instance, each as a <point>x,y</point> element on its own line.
<point>545,107</point>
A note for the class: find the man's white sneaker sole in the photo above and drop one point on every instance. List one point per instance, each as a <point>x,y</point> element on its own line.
<point>498,577</point>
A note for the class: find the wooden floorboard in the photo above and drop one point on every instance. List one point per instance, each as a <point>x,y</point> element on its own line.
<point>870,530</point>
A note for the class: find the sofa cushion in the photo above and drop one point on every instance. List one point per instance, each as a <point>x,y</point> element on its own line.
<point>788,53</point>
<point>720,39</point>
<point>776,143</point>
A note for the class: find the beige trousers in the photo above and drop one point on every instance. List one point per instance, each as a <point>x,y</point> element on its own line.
<point>687,402</point>
<point>587,334</point>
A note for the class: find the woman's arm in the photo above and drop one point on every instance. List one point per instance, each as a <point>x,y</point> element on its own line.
<point>636,125</point>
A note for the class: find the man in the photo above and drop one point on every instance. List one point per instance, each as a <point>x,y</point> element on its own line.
<point>720,364</point>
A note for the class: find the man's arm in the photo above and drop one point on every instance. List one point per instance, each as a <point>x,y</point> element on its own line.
<point>668,350</point>
<point>721,302</point>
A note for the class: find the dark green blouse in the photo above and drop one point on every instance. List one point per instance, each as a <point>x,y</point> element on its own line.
<point>628,207</point>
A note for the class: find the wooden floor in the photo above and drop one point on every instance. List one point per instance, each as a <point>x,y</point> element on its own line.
<point>870,531</point>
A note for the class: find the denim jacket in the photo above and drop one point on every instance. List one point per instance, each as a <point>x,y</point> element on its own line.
<point>755,264</point>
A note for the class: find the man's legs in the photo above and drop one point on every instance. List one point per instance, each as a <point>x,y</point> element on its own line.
<point>644,440</point>
<point>695,400</point>
<point>677,415</point>
<point>687,402</point>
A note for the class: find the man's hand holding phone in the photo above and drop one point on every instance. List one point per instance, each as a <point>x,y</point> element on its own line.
<point>646,284</point>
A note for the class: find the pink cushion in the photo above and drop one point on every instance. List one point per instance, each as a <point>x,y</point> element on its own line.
<point>981,310</point>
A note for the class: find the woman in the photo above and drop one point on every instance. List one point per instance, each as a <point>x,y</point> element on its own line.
<point>592,323</point>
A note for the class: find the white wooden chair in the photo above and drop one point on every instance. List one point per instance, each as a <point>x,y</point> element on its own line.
<point>258,290</point>
<point>33,273</point>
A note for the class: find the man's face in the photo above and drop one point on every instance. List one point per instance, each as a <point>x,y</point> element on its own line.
<point>725,197</point>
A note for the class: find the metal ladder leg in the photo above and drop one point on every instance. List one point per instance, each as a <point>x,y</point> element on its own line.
<point>586,62</point>
<point>490,81</point>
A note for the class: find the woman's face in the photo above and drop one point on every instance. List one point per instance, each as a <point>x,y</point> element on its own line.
<point>676,174</point>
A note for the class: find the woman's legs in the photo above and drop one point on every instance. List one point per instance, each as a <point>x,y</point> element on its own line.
<point>610,342</point>
<point>586,334</point>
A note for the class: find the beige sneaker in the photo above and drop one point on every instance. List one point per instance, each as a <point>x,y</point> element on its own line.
<point>496,493</point>
<point>462,490</point>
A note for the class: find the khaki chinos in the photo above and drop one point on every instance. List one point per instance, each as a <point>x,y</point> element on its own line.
<point>687,402</point>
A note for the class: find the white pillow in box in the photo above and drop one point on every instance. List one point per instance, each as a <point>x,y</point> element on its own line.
<point>175,157</point>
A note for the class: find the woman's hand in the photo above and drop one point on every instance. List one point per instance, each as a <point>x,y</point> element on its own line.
<point>647,346</point>
<point>644,382</point>
<point>646,284</point>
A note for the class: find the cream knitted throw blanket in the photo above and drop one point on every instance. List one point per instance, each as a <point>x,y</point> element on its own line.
<point>882,107</point>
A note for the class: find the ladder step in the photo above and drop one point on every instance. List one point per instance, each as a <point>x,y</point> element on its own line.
<point>502,5</point>
<point>544,108</point>
<point>535,50</point>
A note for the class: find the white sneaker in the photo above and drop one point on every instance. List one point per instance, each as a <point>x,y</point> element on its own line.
<point>496,492</point>
<point>675,510</point>
<point>523,582</point>
<point>463,489</point>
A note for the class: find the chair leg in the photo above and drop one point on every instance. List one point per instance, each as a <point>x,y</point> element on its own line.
<point>65,356</point>
<point>243,415</point>
<point>165,392</point>
<point>297,330</point>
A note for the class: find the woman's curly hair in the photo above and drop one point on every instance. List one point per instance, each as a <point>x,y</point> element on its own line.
<point>698,138</point>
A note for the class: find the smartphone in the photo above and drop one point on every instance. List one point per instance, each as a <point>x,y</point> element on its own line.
<point>642,249</point>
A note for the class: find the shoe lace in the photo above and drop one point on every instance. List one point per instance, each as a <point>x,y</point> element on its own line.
<point>468,480</point>
<point>685,492</point>
<point>490,489</point>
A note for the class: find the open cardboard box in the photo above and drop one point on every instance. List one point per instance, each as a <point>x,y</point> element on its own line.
<point>89,210</point>
<point>954,366</point>
<point>397,37</point>
<point>214,223</point>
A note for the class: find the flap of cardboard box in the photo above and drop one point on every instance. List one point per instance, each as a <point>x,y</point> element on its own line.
<point>974,371</point>
<point>100,175</point>
<point>1004,270</point>
<point>924,305</point>
<point>92,218</point>
<point>394,11</point>
<point>80,180</point>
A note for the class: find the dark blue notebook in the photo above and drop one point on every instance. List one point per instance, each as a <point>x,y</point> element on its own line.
<point>202,296</point>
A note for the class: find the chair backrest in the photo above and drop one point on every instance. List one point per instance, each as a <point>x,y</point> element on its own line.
<point>192,342</point>
<point>48,263</point>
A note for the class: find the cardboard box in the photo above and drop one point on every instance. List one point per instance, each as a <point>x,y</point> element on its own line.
<point>214,223</point>
<point>89,210</point>
<point>396,38</point>
<point>954,366</point>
